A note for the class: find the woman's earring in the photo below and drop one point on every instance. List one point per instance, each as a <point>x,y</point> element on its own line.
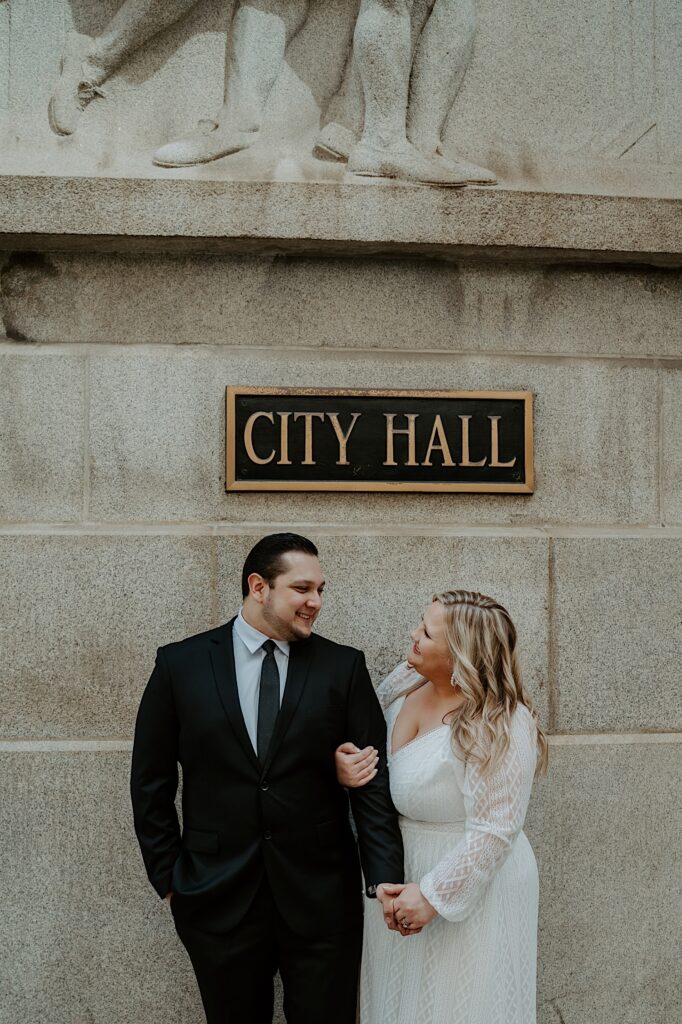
<point>453,681</point>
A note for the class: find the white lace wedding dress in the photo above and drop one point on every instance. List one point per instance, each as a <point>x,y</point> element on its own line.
<point>475,963</point>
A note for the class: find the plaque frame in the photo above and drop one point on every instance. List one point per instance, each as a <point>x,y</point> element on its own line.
<point>232,484</point>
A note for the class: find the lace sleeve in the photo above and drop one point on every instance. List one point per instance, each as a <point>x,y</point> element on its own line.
<point>397,683</point>
<point>496,806</point>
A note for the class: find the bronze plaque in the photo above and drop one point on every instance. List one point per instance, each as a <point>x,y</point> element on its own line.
<point>311,439</point>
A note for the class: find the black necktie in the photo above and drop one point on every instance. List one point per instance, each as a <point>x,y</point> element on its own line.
<point>268,700</point>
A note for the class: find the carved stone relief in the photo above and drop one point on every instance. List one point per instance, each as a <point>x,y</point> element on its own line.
<point>560,97</point>
<point>405,68</point>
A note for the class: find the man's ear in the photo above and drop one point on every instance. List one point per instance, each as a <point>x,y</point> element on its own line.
<point>258,587</point>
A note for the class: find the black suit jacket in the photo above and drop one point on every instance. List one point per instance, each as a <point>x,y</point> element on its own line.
<point>287,819</point>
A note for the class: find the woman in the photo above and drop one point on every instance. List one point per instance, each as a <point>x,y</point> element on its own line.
<point>463,748</point>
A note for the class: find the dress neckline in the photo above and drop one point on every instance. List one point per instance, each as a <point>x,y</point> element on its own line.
<point>419,736</point>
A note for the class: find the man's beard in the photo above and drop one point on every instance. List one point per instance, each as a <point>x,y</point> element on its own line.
<point>286,630</point>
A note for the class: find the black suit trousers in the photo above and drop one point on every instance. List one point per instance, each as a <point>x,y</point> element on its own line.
<point>235,970</point>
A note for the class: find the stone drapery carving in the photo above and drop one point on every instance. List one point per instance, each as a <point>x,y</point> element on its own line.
<point>406,65</point>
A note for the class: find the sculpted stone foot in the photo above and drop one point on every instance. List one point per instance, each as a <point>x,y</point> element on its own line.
<point>210,144</point>
<point>474,175</point>
<point>334,142</point>
<point>78,84</point>
<point>402,160</point>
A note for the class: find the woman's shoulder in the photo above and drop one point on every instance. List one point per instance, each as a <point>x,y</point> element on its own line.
<point>523,719</point>
<point>398,683</point>
<point>519,726</point>
<point>523,731</point>
<point>523,714</point>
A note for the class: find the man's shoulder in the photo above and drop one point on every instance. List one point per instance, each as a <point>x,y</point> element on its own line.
<point>197,642</point>
<point>324,645</point>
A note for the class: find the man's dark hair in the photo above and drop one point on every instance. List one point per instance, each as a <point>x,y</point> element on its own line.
<point>265,557</point>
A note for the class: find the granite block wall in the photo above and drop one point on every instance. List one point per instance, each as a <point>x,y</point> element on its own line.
<point>116,535</point>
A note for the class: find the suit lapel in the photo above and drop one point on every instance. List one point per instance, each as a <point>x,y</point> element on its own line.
<point>222,660</point>
<point>300,654</point>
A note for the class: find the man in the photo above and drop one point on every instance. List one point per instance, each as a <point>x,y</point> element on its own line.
<point>265,875</point>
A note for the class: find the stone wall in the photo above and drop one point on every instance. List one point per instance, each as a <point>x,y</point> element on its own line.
<point>116,535</point>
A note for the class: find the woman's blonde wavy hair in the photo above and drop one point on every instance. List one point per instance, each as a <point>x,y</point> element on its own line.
<point>482,640</point>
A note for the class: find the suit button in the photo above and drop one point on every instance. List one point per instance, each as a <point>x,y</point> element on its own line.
<point>265,785</point>
<point>267,835</point>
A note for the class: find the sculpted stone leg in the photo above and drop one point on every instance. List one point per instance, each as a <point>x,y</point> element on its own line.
<point>260,33</point>
<point>344,116</point>
<point>88,61</point>
<point>346,110</point>
<point>442,34</point>
<point>383,50</point>
<point>442,57</point>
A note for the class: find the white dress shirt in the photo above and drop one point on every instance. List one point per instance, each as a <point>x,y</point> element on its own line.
<point>248,661</point>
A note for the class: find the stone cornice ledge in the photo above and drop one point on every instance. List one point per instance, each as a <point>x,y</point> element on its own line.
<point>161,215</point>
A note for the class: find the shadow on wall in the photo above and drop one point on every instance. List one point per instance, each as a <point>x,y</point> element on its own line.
<point>166,82</point>
<point>326,32</point>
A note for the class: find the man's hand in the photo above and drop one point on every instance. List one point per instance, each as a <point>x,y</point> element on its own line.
<point>355,767</point>
<point>386,894</point>
<point>168,897</point>
<point>411,909</point>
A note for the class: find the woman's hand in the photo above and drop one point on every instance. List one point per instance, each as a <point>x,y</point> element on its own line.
<point>386,895</point>
<point>355,767</point>
<point>411,908</point>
